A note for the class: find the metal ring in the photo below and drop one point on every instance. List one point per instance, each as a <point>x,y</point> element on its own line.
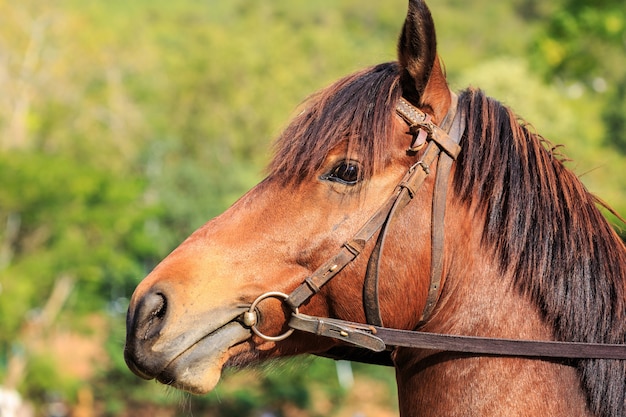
<point>251,310</point>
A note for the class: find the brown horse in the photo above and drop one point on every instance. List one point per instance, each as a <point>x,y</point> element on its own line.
<point>527,254</point>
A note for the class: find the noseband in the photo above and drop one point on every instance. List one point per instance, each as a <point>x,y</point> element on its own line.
<point>442,144</point>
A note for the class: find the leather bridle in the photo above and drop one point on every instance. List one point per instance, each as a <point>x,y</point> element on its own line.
<point>374,336</point>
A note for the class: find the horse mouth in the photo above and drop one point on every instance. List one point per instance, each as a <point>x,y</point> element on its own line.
<point>195,367</point>
<point>198,368</point>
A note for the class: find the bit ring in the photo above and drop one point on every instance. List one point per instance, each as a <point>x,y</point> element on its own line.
<point>250,316</point>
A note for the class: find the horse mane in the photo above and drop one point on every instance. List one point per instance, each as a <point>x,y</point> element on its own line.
<point>540,221</point>
<point>546,229</point>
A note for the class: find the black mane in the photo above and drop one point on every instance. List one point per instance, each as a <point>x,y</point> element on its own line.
<point>546,228</point>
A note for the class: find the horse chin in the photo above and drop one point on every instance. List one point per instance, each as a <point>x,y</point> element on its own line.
<point>198,369</point>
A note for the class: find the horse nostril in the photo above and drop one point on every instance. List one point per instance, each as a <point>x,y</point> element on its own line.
<point>144,323</point>
<point>161,308</point>
<point>150,315</point>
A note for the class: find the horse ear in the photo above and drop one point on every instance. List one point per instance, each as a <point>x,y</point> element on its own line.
<point>423,80</point>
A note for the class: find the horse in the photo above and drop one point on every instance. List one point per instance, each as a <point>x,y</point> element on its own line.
<point>395,206</point>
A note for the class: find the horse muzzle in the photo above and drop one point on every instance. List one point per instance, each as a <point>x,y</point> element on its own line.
<point>186,352</point>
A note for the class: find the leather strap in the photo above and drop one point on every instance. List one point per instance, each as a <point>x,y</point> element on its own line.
<point>420,123</point>
<point>377,339</point>
<point>380,339</point>
<point>444,166</point>
<point>371,300</point>
<point>403,193</point>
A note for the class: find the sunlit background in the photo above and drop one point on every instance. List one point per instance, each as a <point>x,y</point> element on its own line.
<point>125,125</point>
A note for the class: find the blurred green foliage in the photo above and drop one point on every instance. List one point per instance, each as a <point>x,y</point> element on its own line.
<point>583,40</point>
<point>126,125</point>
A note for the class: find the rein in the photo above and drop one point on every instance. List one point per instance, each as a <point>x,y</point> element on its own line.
<point>374,336</point>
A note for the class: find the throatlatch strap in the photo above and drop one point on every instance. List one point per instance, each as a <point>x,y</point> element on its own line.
<point>444,166</point>
<point>419,123</point>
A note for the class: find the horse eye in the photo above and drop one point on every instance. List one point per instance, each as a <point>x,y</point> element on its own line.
<point>347,172</point>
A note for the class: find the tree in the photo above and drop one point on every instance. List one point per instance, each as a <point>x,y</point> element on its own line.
<point>584,40</point>
<point>76,239</point>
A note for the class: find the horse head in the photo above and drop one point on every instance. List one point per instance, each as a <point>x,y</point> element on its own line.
<point>335,163</point>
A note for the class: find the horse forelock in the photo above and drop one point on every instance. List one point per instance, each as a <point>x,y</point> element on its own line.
<point>356,111</point>
<point>546,230</point>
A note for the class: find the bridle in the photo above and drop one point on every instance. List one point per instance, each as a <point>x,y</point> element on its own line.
<point>442,144</point>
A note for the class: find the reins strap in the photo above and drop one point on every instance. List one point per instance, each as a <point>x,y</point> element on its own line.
<point>378,339</point>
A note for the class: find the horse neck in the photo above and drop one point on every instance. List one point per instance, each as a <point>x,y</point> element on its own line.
<point>451,385</point>
<point>477,300</point>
